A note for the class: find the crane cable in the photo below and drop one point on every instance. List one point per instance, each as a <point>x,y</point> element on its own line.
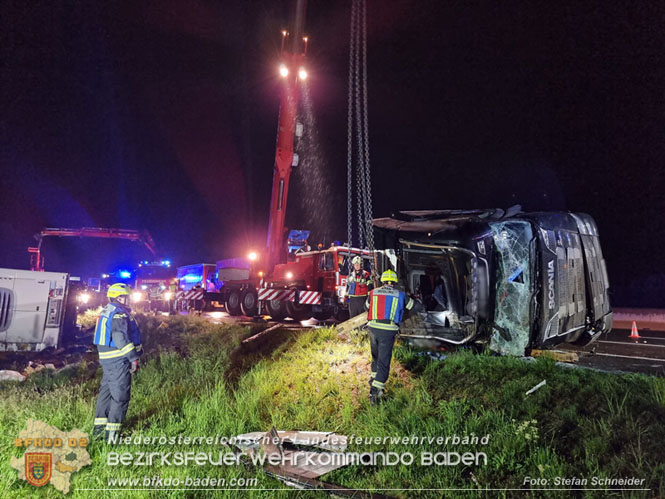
<point>358,116</point>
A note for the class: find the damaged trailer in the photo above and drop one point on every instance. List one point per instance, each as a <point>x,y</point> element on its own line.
<point>511,279</point>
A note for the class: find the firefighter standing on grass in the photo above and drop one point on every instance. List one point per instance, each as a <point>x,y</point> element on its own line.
<point>358,284</point>
<point>386,309</point>
<point>118,341</point>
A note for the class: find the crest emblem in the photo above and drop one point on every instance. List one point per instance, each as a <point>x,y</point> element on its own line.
<point>38,468</point>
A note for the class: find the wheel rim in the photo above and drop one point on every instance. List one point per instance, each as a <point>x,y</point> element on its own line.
<point>234,300</point>
<point>250,301</point>
<point>275,305</point>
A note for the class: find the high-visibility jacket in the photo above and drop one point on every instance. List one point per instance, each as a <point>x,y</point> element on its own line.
<point>386,307</point>
<point>358,283</point>
<point>117,334</point>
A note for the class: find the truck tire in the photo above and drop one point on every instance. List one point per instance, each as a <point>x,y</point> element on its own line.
<point>276,309</point>
<point>340,313</point>
<point>233,302</point>
<point>324,314</point>
<point>249,303</point>
<point>298,312</point>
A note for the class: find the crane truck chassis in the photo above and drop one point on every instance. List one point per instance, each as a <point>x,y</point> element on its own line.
<point>313,284</point>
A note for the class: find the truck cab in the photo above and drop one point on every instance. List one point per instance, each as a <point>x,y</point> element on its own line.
<point>510,279</point>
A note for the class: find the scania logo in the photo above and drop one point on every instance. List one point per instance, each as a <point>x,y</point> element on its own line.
<point>550,284</point>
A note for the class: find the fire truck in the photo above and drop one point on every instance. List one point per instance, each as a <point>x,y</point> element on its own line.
<point>151,287</point>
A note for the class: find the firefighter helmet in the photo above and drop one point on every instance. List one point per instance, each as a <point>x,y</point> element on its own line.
<point>357,260</point>
<point>389,276</point>
<point>117,290</point>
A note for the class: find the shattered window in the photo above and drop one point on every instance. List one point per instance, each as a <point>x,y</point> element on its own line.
<point>511,328</point>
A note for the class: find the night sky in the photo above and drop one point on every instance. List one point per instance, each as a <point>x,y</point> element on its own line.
<point>163,115</point>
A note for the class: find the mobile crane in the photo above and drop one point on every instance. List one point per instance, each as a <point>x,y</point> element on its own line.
<point>275,281</point>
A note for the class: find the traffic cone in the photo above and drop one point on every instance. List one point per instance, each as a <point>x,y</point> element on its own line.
<point>633,332</point>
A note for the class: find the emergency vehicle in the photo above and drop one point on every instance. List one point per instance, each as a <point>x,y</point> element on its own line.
<point>151,287</point>
<point>286,279</point>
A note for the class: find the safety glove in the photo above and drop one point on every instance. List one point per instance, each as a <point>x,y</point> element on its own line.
<point>134,366</point>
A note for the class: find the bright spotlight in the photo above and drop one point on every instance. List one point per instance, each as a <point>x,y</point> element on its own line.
<point>253,256</point>
<point>283,71</point>
<point>302,74</point>
<point>289,275</point>
<point>84,298</point>
<point>137,296</point>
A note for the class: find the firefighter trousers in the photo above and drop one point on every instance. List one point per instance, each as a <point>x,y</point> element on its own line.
<point>114,394</point>
<point>381,343</point>
<point>356,305</point>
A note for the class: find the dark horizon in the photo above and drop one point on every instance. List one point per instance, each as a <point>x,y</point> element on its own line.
<point>164,118</point>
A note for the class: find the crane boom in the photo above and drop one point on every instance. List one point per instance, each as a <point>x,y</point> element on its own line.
<point>290,71</point>
<point>37,260</point>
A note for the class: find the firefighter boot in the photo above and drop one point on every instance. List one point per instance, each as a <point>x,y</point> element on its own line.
<point>375,395</point>
<point>98,431</point>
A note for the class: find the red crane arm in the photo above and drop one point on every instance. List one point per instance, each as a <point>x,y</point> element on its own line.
<point>292,60</point>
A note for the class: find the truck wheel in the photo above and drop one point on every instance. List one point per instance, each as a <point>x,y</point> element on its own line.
<point>341,313</point>
<point>298,312</point>
<point>323,315</point>
<point>276,309</point>
<point>249,303</point>
<point>233,302</point>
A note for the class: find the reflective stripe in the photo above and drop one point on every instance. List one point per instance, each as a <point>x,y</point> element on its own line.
<point>117,353</point>
<point>103,320</point>
<point>101,421</point>
<point>374,374</point>
<point>113,426</point>
<point>378,384</point>
<point>138,347</point>
<point>386,327</point>
<point>393,309</point>
<point>410,303</point>
<point>358,295</point>
<point>375,306</point>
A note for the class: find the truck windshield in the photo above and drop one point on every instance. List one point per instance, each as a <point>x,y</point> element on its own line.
<point>512,318</point>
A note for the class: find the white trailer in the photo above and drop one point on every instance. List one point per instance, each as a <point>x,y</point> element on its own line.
<point>32,309</point>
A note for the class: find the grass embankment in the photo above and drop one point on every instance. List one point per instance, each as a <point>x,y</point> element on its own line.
<point>197,382</point>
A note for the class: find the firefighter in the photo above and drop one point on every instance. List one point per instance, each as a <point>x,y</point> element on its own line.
<point>386,309</point>
<point>118,341</point>
<point>358,284</point>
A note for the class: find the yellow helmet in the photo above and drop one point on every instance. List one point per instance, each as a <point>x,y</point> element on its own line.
<point>357,259</point>
<point>116,290</point>
<point>389,276</point>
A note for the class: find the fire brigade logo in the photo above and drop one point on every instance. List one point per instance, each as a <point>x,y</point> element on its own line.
<point>38,468</point>
<point>51,456</point>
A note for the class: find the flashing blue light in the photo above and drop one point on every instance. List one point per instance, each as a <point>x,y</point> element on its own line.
<point>166,262</point>
<point>124,274</point>
<point>192,278</point>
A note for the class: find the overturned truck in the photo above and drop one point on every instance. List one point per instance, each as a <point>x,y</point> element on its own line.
<point>511,279</point>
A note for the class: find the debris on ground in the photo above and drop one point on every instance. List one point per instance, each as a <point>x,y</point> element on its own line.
<point>300,468</point>
<point>537,387</point>
<point>353,323</point>
<point>6,375</point>
<point>558,355</point>
<point>290,445</point>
